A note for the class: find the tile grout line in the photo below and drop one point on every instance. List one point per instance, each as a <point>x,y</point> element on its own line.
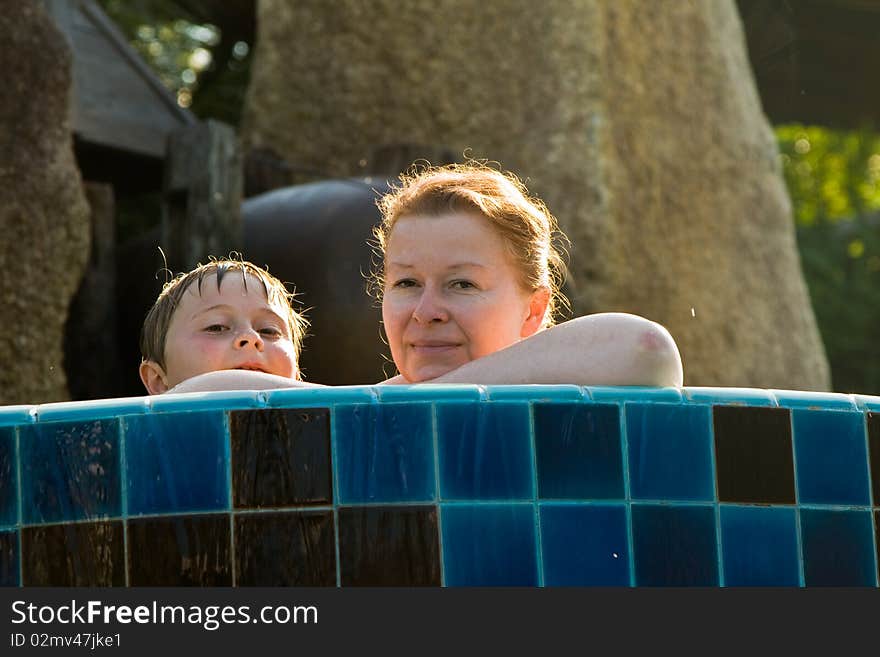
<point>624,449</point>
<point>123,494</point>
<point>719,545</point>
<point>797,506</point>
<point>436,448</point>
<point>871,513</point>
<point>334,476</point>
<point>539,539</point>
<point>227,449</point>
<point>19,504</point>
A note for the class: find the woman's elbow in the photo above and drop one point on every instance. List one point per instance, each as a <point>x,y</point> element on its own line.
<point>657,359</point>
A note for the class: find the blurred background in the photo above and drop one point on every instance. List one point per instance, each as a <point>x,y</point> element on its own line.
<point>814,64</point>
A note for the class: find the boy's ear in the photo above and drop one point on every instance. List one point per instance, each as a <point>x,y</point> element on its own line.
<point>153,377</point>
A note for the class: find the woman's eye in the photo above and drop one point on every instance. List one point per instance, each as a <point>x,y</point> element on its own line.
<point>215,328</point>
<point>463,285</point>
<point>405,282</point>
<point>271,331</point>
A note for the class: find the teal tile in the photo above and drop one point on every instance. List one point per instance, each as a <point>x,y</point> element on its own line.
<point>634,393</point>
<point>814,400</point>
<point>316,397</point>
<point>436,392</point>
<point>831,457</point>
<point>536,393</point>
<point>206,401</point>
<point>729,396</point>
<point>99,409</point>
<point>670,452</point>
<point>14,415</point>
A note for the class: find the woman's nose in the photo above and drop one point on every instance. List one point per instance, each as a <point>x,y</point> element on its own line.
<point>248,337</point>
<point>430,308</point>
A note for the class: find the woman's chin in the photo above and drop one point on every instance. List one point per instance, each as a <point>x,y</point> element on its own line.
<point>427,373</point>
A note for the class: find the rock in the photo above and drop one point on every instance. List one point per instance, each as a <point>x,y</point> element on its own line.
<point>638,123</point>
<point>44,216</point>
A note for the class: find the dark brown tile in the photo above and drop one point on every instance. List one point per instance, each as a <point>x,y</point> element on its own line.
<point>9,558</point>
<point>753,456</point>
<point>180,551</point>
<point>389,546</point>
<point>873,420</point>
<point>281,457</point>
<point>285,549</point>
<point>81,554</point>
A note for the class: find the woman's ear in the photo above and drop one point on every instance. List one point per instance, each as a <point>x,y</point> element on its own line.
<point>153,377</point>
<point>538,302</point>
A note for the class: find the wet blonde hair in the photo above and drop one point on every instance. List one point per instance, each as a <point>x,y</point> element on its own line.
<point>155,329</point>
<point>527,227</point>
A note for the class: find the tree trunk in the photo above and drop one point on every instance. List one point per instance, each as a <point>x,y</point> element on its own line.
<point>639,123</point>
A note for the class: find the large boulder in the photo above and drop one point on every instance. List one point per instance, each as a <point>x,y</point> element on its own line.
<point>44,215</point>
<point>638,122</point>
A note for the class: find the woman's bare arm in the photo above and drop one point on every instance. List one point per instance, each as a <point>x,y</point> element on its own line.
<point>238,380</point>
<point>615,349</point>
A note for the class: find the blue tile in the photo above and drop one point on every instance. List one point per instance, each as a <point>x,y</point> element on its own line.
<point>489,545</point>
<point>838,548</point>
<point>578,451</point>
<point>70,471</point>
<point>584,545</point>
<point>220,400</point>
<point>670,452</point>
<point>831,457</point>
<point>536,393</point>
<point>759,545</point>
<point>385,453</point>
<point>436,392</point>
<point>315,397</point>
<point>867,403</point>
<point>485,451</point>
<point>814,400</point>
<point>730,396</point>
<point>8,478</point>
<point>674,545</point>
<point>176,462</point>
<point>97,409</point>
<point>13,415</point>
<point>9,569</point>
<point>634,393</point>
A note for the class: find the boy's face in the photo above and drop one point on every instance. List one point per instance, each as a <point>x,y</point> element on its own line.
<point>234,327</point>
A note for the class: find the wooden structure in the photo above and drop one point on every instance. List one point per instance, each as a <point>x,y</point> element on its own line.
<point>137,148</point>
<point>118,102</point>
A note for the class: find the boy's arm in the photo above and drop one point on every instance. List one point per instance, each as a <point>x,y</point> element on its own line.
<point>238,380</point>
<point>614,349</point>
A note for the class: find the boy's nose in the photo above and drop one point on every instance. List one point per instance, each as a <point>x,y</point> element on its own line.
<point>249,337</point>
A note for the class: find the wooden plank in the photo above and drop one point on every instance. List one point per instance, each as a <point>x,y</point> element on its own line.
<point>201,210</point>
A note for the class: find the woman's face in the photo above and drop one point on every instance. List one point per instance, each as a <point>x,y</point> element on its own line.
<point>452,294</point>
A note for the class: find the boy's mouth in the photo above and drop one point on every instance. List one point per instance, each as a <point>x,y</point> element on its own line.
<point>250,368</point>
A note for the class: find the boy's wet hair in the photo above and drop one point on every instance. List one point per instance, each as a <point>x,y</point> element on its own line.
<point>155,329</point>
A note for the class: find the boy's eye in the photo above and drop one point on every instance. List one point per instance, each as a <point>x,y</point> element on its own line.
<point>215,328</point>
<point>271,331</point>
<point>463,285</point>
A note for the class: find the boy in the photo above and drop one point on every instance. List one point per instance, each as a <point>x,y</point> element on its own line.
<point>225,315</point>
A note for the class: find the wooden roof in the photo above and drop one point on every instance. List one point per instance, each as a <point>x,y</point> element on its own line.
<point>117,100</point>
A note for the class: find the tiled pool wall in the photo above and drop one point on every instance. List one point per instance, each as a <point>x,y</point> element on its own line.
<point>452,485</point>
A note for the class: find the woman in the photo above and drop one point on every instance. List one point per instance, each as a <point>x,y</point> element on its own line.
<point>469,285</point>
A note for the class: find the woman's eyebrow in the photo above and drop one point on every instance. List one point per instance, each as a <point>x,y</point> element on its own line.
<point>457,265</point>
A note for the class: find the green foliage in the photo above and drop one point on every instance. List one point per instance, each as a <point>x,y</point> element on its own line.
<point>190,57</point>
<point>833,177</point>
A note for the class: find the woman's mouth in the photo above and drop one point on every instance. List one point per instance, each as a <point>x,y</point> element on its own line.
<point>250,367</point>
